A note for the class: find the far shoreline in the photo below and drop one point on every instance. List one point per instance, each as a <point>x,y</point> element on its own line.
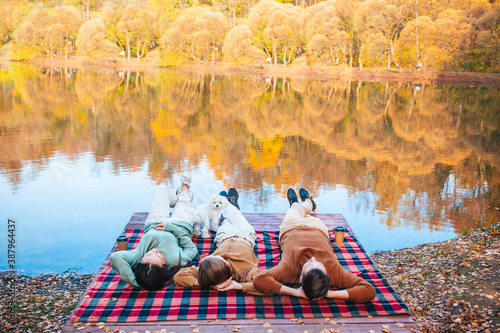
<point>266,70</point>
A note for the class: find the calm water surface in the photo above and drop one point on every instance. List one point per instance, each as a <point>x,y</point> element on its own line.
<point>82,150</point>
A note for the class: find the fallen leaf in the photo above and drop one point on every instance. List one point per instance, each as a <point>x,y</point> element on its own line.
<point>267,325</point>
<point>234,329</point>
<point>333,322</point>
<point>400,325</point>
<point>196,330</point>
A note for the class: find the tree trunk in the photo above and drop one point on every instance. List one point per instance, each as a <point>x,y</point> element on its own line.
<point>359,57</point>
<point>394,56</point>
<point>284,58</point>
<point>275,54</point>
<point>128,48</point>
<point>138,48</point>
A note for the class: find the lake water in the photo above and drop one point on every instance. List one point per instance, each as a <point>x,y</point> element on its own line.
<point>82,150</point>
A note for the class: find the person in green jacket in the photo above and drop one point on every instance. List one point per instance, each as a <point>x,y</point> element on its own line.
<point>166,244</point>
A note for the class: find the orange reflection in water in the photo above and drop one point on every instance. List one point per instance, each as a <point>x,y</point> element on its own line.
<point>429,154</point>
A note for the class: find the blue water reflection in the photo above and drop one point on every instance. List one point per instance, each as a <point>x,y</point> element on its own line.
<point>68,216</point>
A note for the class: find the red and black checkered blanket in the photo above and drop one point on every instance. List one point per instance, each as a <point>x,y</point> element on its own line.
<point>112,300</point>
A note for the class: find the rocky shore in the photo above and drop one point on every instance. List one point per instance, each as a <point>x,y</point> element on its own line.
<point>451,286</point>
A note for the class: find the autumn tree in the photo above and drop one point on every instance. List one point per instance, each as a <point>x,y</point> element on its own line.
<point>234,9</point>
<point>440,42</point>
<point>110,15</point>
<point>62,28</point>
<point>28,35</point>
<point>482,55</point>
<point>212,26</point>
<point>321,29</point>
<point>238,46</point>
<point>471,8</point>
<point>277,27</point>
<point>257,21</point>
<point>130,27</point>
<point>87,6</point>
<point>384,17</point>
<point>91,40</point>
<point>197,34</point>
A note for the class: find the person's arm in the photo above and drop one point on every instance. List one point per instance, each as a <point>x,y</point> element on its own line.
<point>121,262</point>
<point>338,294</point>
<point>271,281</point>
<point>357,289</point>
<point>297,292</point>
<point>187,277</point>
<point>189,250</point>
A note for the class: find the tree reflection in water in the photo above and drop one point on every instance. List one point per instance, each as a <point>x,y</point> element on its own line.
<point>429,154</point>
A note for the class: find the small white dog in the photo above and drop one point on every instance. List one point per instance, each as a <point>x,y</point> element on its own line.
<point>207,215</point>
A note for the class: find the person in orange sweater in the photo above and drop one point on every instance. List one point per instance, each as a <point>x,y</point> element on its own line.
<point>308,266</point>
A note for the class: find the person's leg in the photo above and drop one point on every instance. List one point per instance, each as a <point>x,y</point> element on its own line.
<point>235,224</point>
<point>234,216</point>
<point>299,215</point>
<point>163,198</point>
<point>296,213</point>
<point>183,210</point>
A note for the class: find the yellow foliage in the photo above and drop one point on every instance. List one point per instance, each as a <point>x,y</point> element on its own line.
<point>265,153</point>
<point>166,129</point>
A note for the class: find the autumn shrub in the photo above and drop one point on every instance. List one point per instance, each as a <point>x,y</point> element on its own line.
<point>171,58</point>
<point>91,37</point>
<point>238,46</point>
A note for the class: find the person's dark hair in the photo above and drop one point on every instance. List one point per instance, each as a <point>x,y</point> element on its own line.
<point>153,277</point>
<point>212,271</point>
<point>315,283</point>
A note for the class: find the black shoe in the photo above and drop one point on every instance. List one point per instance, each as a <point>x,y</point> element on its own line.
<point>223,193</point>
<point>232,197</point>
<point>291,196</point>
<point>304,194</point>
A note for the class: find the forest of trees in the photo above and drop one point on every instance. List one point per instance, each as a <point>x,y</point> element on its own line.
<point>436,35</point>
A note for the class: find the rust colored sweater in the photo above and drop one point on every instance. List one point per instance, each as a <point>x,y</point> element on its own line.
<point>298,246</point>
<point>240,256</point>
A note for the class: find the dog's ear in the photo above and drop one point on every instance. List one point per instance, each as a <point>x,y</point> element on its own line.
<point>224,201</point>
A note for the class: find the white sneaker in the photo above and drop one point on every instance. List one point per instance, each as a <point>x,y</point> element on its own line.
<point>185,180</point>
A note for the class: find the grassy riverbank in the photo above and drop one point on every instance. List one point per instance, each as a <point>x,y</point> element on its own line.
<point>451,286</point>
<point>293,71</point>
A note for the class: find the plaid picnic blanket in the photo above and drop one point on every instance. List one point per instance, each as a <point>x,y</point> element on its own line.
<point>112,300</point>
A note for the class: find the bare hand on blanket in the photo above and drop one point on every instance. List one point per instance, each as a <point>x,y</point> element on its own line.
<point>229,284</point>
<point>160,226</point>
<point>297,292</point>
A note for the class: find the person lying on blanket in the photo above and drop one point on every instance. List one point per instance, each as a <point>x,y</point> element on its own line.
<point>233,265</point>
<point>308,261</point>
<point>166,244</point>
